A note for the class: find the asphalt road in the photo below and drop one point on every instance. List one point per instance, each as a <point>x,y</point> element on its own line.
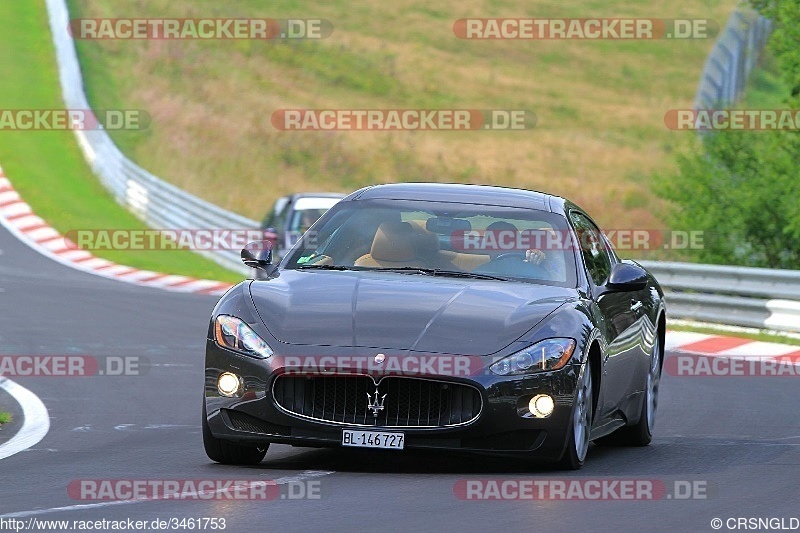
<point>737,439</point>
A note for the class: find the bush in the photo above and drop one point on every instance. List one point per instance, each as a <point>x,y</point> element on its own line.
<point>741,189</point>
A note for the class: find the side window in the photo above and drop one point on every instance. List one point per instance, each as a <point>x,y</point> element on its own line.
<point>592,247</point>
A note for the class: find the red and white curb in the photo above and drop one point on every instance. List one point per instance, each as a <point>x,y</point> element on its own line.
<point>723,346</point>
<point>18,217</point>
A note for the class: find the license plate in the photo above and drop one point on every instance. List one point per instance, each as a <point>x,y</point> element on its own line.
<point>373,439</point>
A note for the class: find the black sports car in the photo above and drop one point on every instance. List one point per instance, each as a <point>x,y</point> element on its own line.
<point>456,317</point>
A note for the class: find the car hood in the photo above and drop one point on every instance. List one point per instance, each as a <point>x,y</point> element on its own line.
<point>402,312</point>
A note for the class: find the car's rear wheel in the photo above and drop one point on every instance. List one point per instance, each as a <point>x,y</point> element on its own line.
<point>228,453</point>
<point>581,422</point>
<point>641,434</point>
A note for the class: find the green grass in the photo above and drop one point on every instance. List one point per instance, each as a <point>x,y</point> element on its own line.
<point>47,167</point>
<point>5,417</point>
<point>765,88</point>
<point>760,335</point>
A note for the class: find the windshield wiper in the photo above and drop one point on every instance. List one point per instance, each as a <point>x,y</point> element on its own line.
<point>411,270</point>
<point>408,270</point>
<point>324,267</point>
<point>462,274</point>
<point>440,272</point>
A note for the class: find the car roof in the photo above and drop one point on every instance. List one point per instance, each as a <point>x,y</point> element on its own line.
<point>297,195</point>
<point>463,193</point>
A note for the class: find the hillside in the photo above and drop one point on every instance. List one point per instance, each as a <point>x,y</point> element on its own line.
<point>600,104</point>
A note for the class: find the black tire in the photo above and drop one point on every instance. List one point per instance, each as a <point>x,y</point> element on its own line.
<point>581,419</point>
<point>641,433</point>
<point>227,453</point>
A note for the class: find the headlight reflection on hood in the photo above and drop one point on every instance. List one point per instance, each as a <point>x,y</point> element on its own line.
<point>549,354</point>
<point>231,332</point>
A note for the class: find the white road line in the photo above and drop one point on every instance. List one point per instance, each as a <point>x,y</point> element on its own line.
<point>36,420</point>
<point>308,474</point>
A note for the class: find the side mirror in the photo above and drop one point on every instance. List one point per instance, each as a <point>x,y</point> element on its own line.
<point>627,277</point>
<point>258,254</point>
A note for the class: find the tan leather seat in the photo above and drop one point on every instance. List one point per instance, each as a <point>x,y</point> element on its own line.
<point>428,249</point>
<point>392,247</point>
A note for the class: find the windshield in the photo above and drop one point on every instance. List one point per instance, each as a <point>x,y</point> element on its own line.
<point>464,240</point>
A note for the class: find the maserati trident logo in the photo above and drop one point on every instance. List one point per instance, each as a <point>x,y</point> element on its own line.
<point>375,405</point>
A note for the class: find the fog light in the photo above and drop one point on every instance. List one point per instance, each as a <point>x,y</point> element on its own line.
<point>229,384</point>
<point>541,406</point>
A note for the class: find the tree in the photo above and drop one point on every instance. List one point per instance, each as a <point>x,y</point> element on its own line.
<point>741,188</point>
<point>785,38</point>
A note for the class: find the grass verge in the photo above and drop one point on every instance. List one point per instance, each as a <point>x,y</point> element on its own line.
<point>742,333</point>
<point>47,167</point>
<point>765,88</point>
<point>5,417</point>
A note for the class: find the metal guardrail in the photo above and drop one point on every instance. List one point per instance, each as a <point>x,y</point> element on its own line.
<point>733,57</point>
<point>156,202</point>
<point>738,296</point>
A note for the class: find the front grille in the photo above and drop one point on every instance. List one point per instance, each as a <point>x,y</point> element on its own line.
<point>409,402</point>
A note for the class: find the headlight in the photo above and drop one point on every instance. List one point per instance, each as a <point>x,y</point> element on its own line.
<point>549,354</point>
<point>231,332</point>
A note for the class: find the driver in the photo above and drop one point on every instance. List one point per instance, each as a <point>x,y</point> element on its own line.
<point>502,260</point>
<point>501,231</point>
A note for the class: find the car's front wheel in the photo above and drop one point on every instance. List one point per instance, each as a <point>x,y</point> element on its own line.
<point>227,453</point>
<point>581,422</point>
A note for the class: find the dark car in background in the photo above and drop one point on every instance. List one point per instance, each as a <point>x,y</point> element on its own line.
<point>292,215</point>
<point>451,317</point>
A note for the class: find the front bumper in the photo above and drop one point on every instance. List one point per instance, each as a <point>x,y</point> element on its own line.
<point>501,428</point>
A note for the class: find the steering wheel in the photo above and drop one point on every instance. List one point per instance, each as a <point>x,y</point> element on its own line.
<point>538,271</point>
<point>510,255</point>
